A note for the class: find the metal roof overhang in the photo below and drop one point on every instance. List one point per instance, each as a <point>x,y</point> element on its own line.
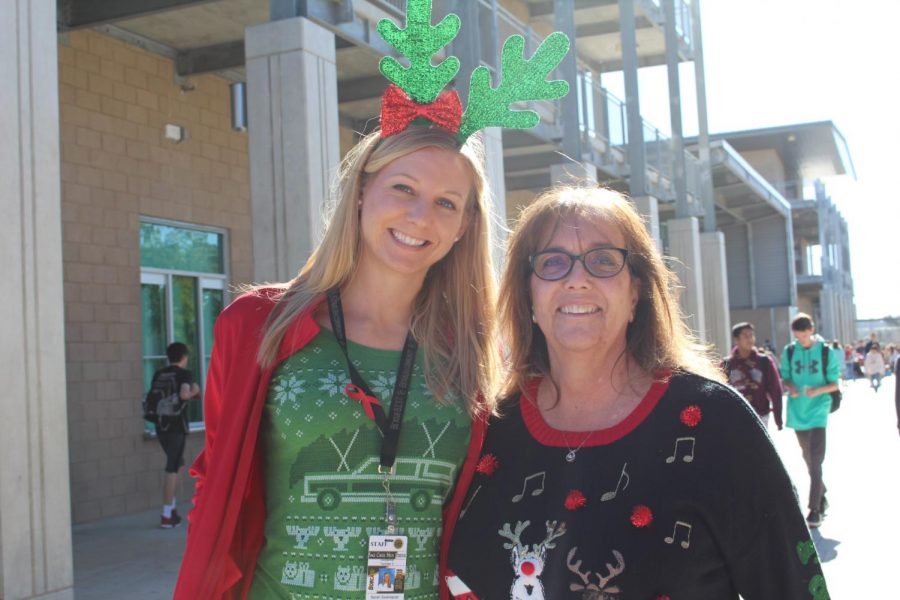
<point>809,149</point>
<point>741,194</point>
<point>207,36</point>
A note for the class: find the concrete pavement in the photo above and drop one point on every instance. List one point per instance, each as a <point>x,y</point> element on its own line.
<point>131,557</point>
<point>127,557</point>
<point>856,542</point>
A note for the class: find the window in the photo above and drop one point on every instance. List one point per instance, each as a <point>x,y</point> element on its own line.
<point>183,277</point>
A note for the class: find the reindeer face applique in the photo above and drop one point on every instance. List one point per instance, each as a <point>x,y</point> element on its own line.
<point>600,589</point>
<point>528,561</point>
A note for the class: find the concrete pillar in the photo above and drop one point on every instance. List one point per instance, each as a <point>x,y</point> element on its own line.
<point>637,159</point>
<point>706,185</point>
<point>564,19</point>
<point>493,159</point>
<point>293,140</point>
<point>648,206</point>
<point>678,162</point>
<point>684,245</point>
<point>715,291</point>
<point>572,173</point>
<point>35,517</point>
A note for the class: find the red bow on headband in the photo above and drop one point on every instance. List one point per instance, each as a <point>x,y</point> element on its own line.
<point>398,111</point>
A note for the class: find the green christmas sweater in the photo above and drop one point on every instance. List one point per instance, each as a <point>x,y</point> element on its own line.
<point>324,496</point>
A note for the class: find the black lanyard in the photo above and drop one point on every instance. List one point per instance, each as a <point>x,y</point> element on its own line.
<point>359,390</point>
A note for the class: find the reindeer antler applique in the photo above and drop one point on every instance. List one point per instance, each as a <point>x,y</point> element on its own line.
<point>416,90</point>
<point>599,590</point>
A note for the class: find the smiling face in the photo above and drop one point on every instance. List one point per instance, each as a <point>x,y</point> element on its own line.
<point>413,210</point>
<point>581,313</point>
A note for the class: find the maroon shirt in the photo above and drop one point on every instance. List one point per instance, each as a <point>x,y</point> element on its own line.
<point>757,379</point>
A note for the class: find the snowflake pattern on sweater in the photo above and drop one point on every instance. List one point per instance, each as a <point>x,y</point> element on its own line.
<point>324,495</point>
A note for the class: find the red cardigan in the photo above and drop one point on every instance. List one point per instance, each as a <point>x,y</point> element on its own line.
<point>227,524</point>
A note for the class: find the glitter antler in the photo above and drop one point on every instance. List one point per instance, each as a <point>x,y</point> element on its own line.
<point>419,41</point>
<point>521,80</point>
<point>416,93</point>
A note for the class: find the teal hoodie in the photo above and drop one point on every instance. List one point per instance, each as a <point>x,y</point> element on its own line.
<point>806,371</point>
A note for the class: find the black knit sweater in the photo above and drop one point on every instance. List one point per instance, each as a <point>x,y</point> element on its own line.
<point>686,499</point>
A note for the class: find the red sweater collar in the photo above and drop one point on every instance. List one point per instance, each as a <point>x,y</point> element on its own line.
<point>549,436</point>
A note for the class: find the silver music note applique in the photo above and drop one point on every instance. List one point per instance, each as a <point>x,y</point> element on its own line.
<point>686,542</point>
<point>612,494</point>
<point>537,491</point>
<point>688,456</point>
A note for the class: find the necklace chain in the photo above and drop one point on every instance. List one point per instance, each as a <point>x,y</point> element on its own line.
<point>570,455</point>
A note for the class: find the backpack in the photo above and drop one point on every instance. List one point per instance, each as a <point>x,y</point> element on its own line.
<point>836,396</point>
<point>163,401</point>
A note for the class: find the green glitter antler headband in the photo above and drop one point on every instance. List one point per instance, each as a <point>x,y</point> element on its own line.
<point>416,92</point>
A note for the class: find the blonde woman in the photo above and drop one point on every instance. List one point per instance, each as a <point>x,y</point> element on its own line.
<point>396,304</point>
<point>620,466</point>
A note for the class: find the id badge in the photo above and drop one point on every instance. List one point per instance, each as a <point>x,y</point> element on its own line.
<point>386,572</point>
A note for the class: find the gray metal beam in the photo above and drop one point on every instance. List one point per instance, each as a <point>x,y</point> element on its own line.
<point>77,14</point>
<point>362,88</point>
<point>544,9</point>
<point>535,181</point>
<point>467,45</point>
<point>571,141</point>
<point>648,60</point>
<point>361,31</point>
<point>678,167</point>
<point>330,12</point>
<point>527,162</point>
<point>637,159</point>
<point>609,27</point>
<point>703,153</point>
<point>206,59</point>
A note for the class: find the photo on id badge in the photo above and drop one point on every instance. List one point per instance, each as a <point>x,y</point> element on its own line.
<point>386,571</point>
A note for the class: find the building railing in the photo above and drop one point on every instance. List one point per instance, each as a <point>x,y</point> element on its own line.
<point>694,177</point>
<point>684,19</point>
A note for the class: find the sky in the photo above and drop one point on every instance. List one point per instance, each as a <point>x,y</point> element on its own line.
<point>781,62</point>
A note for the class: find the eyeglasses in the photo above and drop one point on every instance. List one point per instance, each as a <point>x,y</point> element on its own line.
<point>553,265</point>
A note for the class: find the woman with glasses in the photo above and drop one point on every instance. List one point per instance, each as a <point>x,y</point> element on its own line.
<point>619,466</point>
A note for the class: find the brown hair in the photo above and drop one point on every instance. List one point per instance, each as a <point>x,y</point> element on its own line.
<point>454,315</point>
<point>802,322</point>
<point>657,338</point>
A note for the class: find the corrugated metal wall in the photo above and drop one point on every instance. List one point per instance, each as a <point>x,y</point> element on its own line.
<point>737,259</point>
<point>770,261</point>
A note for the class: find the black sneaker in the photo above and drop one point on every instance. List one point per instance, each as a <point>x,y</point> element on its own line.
<point>169,522</point>
<point>823,506</point>
<point>814,519</point>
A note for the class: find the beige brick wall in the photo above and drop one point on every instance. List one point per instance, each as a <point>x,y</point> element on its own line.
<point>117,166</point>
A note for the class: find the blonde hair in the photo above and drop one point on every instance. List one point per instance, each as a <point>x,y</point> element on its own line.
<point>454,317</point>
<point>657,338</point>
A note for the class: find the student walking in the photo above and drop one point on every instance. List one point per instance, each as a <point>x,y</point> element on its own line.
<point>754,375</point>
<point>874,366</point>
<point>173,382</point>
<point>809,385</point>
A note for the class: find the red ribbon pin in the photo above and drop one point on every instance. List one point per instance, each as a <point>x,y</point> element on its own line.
<point>398,111</point>
<point>354,393</point>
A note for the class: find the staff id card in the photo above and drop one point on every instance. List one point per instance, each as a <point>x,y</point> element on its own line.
<point>386,573</point>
